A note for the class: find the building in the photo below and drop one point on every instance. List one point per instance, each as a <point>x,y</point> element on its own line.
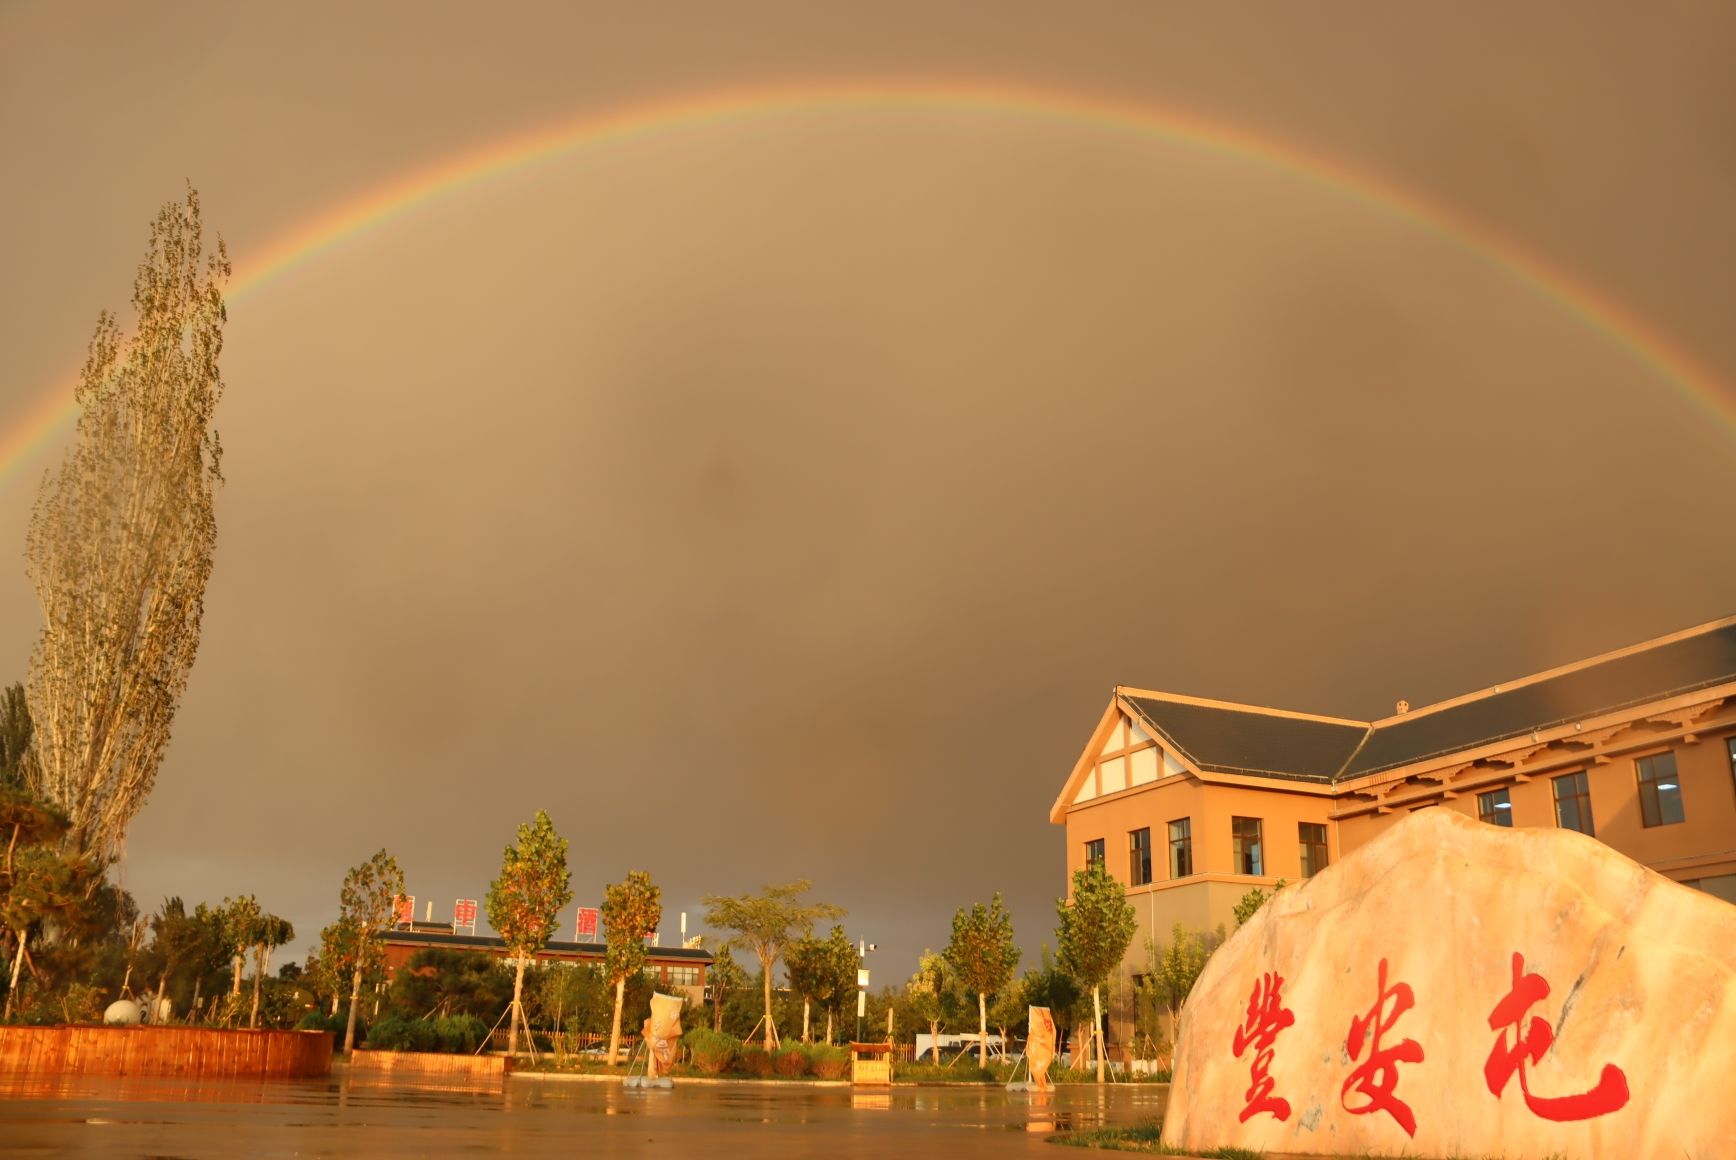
<point>678,970</point>
<point>1191,803</point>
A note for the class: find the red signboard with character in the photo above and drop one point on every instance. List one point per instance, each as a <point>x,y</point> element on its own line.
<point>464,913</point>
<point>404,909</point>
<point>588,918</point>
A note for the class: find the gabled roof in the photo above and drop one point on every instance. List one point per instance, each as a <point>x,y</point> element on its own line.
<point>1224,737</point>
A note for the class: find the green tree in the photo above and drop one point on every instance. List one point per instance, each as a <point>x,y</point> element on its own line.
<point>241,922</point>
<point>1096,926</point>
<point>804,964</point>
<point>1178,967</point>
<point>1253,900</point>
<point>837,978</point>
<point>724,978</point>
<point>441,981</point>
<point>525,902</point>
<point>269,933</point>
<point>631,910</point>
<point>43,886</point>
<point>122,539</point>
<point>369,894</point>
<point>177,939</point>
<point>14,737</point>
<point>766,923</point>
<point>931,995</point>
<point>983,957</point>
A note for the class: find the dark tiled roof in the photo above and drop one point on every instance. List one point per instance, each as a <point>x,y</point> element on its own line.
<point>1246,739</point>
<point>1681,666</point>
<point>484,942</point>
<point>1227,740</point>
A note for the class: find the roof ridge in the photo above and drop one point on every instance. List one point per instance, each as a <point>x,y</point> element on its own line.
<point>1237,706</point>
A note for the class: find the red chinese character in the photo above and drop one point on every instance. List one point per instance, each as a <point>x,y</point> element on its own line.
<point>464,913</point>
<point>1266,1017</point>
<point>587,923</point>
<point>1377,1076</point>
<point>1611,1092</point>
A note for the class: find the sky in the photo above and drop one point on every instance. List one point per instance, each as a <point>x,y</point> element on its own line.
<point>778,491</point>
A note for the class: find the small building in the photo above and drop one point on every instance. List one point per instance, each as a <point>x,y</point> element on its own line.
<point>678,970</point>
<point>1191,803</point>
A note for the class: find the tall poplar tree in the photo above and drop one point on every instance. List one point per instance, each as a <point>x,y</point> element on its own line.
<point>632,908</point>
<point>1097,924</point>
<point>982,957</point>
<point>369,896</point>
<point>525,902</point>
<point>121,542</point>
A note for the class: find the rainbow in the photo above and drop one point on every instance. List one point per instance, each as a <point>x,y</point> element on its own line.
<point>44,421</point>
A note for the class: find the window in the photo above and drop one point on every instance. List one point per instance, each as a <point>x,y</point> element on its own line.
<point>1094,852</point>
<point>1495,808</point>
<point>1573,803</point>
<point>1730,742</point>
<point>1660,791</point>
<point>1139,856</point>
<point>1181,848</point>
<point>684,976</point>
<point>1312,836</point>
<point>1245,846</point>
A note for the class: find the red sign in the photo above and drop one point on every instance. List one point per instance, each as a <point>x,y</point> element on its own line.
<point>1376,1077</point>
<point>1267,1016</point>
<point>404,909</point>
<point>588,917</point>
<point>464,913</point>
<point>1510,1057</point>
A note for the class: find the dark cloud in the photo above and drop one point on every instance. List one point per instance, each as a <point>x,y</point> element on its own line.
<point>810,479</point>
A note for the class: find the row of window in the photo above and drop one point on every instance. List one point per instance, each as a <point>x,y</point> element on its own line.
<point>1660,792</point>
<point>1247,846</point>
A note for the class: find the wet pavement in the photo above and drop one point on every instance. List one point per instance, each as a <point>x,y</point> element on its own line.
<point>533,1116</point>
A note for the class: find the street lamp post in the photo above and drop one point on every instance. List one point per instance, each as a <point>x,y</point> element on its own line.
<point>862,949</point>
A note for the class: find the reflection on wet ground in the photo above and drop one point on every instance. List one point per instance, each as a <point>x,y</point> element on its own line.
<point>528,1115</point>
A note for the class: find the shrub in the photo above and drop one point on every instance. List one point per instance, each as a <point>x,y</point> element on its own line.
<point>459,1034</point>
<point>314,1021</point>
<point>756,1061</point>
<point>713,1052</point>
<point>829,1062</point>
<point>395,1033</point>
<point>790,1061</point>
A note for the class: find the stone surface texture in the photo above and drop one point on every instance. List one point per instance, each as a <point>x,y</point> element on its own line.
<point>1631,1053</point>
<point>1040,1047</point>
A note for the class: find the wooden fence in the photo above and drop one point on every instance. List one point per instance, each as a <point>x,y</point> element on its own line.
<point>188,1052</point>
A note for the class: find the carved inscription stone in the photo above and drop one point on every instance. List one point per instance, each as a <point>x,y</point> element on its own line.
<point>1460,989</point>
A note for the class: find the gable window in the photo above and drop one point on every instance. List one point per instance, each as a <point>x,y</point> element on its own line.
<point>1312,838</point>
<point>1094,852</point>
<point>1573,803</point>
<point>1139,857</point>
<point>1181,848</point>
<point>1495,807</point>
<point>1245,846</point>
<point>1660,789</point>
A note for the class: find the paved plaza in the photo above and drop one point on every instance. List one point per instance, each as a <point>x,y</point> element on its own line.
<point>533,1116</point>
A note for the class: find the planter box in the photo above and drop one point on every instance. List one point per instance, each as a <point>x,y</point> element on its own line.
<point>430,1065</point>
<point>187,1052</point>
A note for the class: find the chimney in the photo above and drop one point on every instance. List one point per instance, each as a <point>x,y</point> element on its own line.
<point>1403,707</point>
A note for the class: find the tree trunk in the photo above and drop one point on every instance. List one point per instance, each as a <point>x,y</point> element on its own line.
<point>517,1011</point>
<point>934,1039</point>
<point>235,987</point>
<point>982,1030</point>
<point>805,1019</point>
<point>716,1008</point>
<point>199,982</point>
<point>771,1031</point>
<point>355,997</point>
<point>17,965</point>
<point>615,1027</point>
<point>828,1026</point>
<point>258,970</point>
<point>1097,1029</point>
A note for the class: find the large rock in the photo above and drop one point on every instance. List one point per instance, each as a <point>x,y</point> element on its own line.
<point>1543,995</point>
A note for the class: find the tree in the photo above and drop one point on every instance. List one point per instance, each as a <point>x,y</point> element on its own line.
<point>366,902</point>
<point>632,908</point>
<point>724,978</point>
<point>765,923</point>
<point>1178,967</point>
<point>269,933</point>
<point>929,992</point>
<point>525,902</point>
<point>444,981</point>
<point>982,957</point>
<point>1253,900</point>
<point>122,539</point>
<point>43,886</point>
<point>1096,926</point>
<point>14,737</point>
<point>241,918</point>
<point>176,939</point>
<point>837,977</point>
<point>804,963</point>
